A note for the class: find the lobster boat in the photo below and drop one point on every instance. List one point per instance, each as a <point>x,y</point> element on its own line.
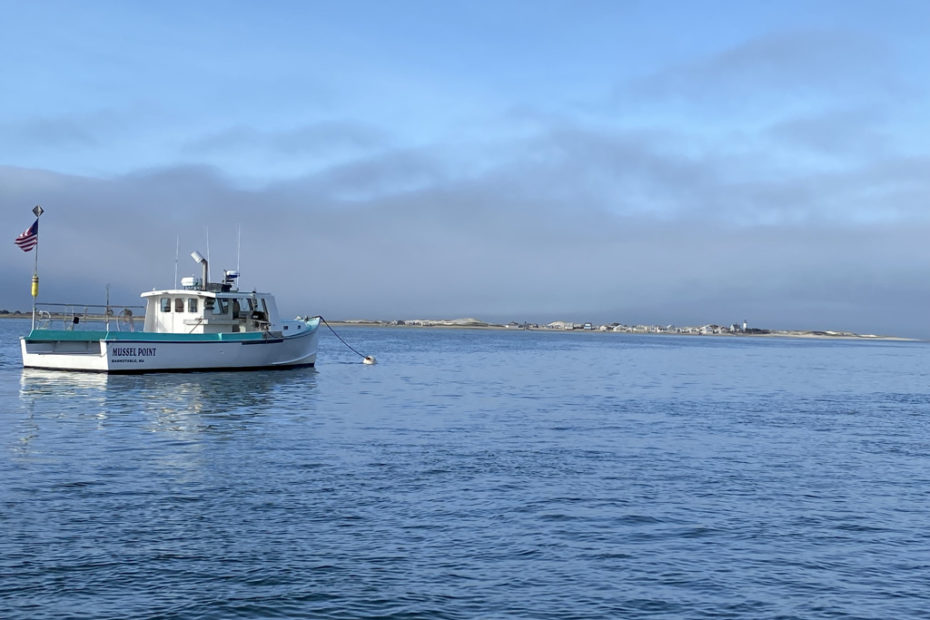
<point>202,325</point>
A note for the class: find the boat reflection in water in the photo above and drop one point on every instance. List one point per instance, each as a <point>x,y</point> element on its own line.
<point>213,402</point>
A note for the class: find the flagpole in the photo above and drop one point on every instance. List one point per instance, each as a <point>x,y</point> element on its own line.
<point>38,211</point>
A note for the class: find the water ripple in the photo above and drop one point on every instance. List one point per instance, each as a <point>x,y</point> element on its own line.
<point>476,474</point>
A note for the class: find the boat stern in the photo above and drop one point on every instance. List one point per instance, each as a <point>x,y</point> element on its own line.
<point>85,352</point>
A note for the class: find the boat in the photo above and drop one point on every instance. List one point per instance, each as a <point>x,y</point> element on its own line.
<point>202,325</point>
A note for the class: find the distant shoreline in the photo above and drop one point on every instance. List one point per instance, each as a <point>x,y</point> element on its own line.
<point>564,326</point>
<point>643,330</point>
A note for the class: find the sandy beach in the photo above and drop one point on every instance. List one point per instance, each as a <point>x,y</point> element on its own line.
<point>563,326</point>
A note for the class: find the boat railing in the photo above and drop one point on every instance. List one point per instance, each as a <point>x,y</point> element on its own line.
<point>87,317</point>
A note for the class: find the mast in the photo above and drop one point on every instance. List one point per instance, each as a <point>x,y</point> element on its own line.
<point>38,211</point>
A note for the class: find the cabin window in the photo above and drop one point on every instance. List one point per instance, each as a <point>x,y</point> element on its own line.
<point>179,304</point>
<point>192,304</point>
<point>221,307</point>
<point>259,312</point>
<point>235,308</point>
<point>165,304</point>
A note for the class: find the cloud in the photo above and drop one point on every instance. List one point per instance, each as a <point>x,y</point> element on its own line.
<point>392,172</point>
<point>316,139</point>
<point>779,67</point>
<point>834,133</point>
<point>572,221</point>
<point>49,133</point>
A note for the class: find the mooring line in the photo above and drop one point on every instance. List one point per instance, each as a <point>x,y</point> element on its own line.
<point>367,359</point>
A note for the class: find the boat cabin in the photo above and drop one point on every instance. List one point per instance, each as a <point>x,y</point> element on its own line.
<point>209,309</point>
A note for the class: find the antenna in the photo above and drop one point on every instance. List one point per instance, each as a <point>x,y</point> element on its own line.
<point>238,243</point>
<point>208,251</point>
<point>177,248</point>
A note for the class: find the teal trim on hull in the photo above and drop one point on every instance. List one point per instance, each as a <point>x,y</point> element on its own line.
<point>62,335</point>
<point>143,371</point>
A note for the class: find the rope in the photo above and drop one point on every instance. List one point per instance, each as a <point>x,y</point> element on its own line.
<point>362,355</point>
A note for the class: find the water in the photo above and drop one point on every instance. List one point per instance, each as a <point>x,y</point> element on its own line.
<point>476,474</point>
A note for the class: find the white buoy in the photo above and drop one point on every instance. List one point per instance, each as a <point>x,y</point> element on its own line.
<point>370,359</point>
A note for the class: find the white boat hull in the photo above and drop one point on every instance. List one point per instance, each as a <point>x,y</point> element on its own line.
<point>141,352</point>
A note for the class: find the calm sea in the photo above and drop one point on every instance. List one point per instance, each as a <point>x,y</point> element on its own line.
<point>476,474</point>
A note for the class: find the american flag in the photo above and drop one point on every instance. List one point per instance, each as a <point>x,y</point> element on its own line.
<point>29,238</point>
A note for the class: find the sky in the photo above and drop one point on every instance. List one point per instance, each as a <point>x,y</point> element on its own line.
<point>652,162</point>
